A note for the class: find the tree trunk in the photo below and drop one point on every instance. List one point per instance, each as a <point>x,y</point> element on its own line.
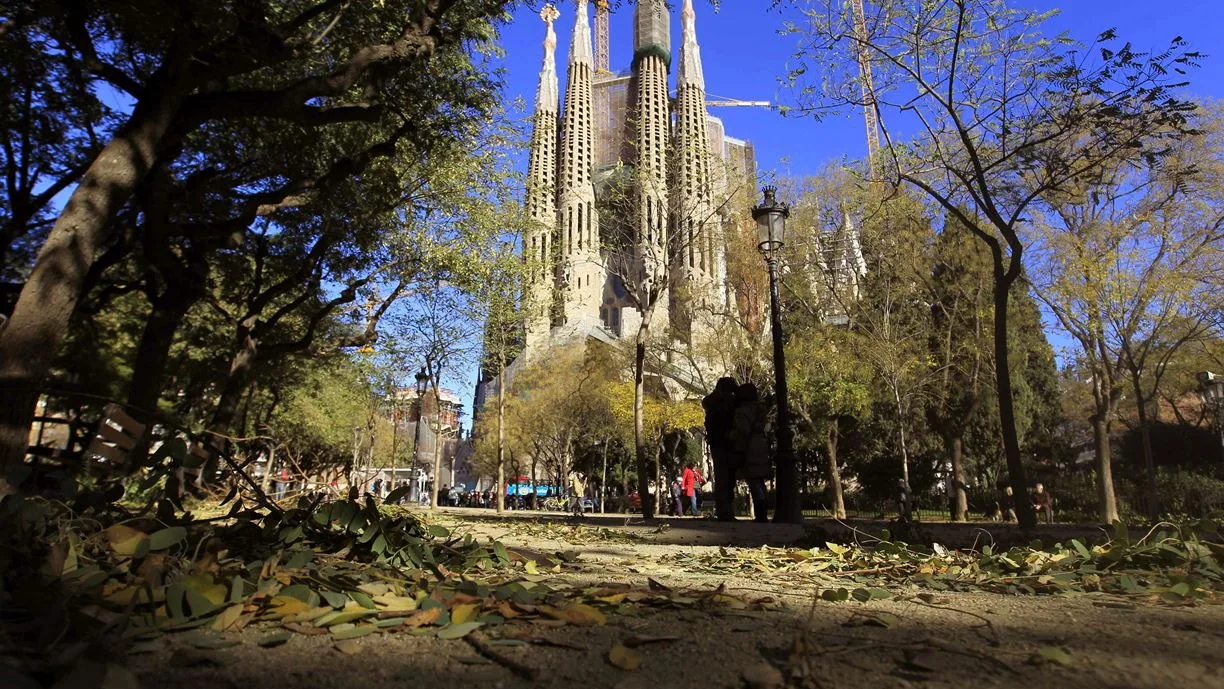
<point>241,368</point>
<point>533,496</point>
<point>1025,514</point>
<point>1105,488</point>
<point>1145,437</point>
<point>956,451</point>
<point>603,481</point>
<point>40,318</point>
<point>501,439</point>
<point>149,367</point>
<point>639,423</point>
<point>901,435</point>
<point>153,353</point>
<point>835,483</point>
<point>658,478</point>
<point>395,419</point>
<point>437,462</point>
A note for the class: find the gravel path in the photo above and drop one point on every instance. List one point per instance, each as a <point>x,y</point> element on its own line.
<point>954,640</point>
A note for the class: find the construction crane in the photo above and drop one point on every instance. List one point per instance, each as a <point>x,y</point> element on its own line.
<point>713,101</point>
<point>869,104</point>
<point>602,59</point>
<point>718,102</point>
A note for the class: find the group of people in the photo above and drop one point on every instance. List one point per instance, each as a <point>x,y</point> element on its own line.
<point>736,424</point>
<point>685,490</point>
<point>1043,504</point>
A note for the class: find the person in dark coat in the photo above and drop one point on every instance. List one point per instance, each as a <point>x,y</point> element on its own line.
<point>719,408</point>
<point>752,447</point>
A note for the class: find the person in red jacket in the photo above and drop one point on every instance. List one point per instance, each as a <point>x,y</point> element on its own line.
<point>691,480</point>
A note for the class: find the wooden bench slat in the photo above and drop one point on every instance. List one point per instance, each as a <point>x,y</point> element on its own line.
<point>111,453</point>
<point>115,413</point>
<point>111,434</point>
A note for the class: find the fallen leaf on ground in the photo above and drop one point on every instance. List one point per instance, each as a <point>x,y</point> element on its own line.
<point>656,586</point>
<point>1055,655</point>
<point>304,629</point>
<point>624,658</point>
<point>578,614</point>
<point>635,641</point>
<point>763,676</point>
<point>348,647</point>
<point>458,631</point>
<point>274,639</point>
<point>423,617</point>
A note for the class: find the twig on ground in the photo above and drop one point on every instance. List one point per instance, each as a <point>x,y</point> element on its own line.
<point>947,647</point>
<point>994,634</point>
<point>527,672</point>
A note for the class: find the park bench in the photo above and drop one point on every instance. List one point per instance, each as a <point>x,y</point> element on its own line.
<point>117,433</point>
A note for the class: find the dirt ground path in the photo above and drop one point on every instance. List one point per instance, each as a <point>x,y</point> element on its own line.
<point>950,639</point>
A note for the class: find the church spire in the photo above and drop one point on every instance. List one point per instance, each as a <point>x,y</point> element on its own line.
<point>541,194</point>
<point>690,52</point>
<point>577,233</point>
<point>696,241</point>
<point>580,41</point>
<point>650,130</point>
<point>546,92</point>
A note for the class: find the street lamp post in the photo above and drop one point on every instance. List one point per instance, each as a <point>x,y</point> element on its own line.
<point>1213,394</point>
<point>771,217</point>
<point>422,379</point>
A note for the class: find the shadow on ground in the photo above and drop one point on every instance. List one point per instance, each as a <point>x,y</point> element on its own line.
<point>833,645</point>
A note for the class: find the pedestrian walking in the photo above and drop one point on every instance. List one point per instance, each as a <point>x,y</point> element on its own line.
<point>691,480</point>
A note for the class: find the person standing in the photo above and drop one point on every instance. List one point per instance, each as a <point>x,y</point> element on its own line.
<point>677,505</point>
<point>752,446</point>
<point>904,502</point>
<point>578,488</point>
<point>690,482</point>
<point>719,408</point>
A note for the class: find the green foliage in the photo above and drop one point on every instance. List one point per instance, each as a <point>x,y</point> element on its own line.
<point>316,415</point>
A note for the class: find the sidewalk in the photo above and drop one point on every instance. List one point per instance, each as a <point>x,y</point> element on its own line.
<point>746,533</point>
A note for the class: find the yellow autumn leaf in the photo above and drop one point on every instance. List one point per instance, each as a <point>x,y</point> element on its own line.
<point>464,613</point>
<point>614,599</point>
<point>531,567</point>
<point>578,614</point>
<point>285,606</point>
<point>391,601</point>
<point>216,594</point>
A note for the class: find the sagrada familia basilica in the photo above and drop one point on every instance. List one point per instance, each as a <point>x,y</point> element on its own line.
<point>630,192</point>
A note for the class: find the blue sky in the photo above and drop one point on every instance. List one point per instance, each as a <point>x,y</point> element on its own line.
<point>744,57</point>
